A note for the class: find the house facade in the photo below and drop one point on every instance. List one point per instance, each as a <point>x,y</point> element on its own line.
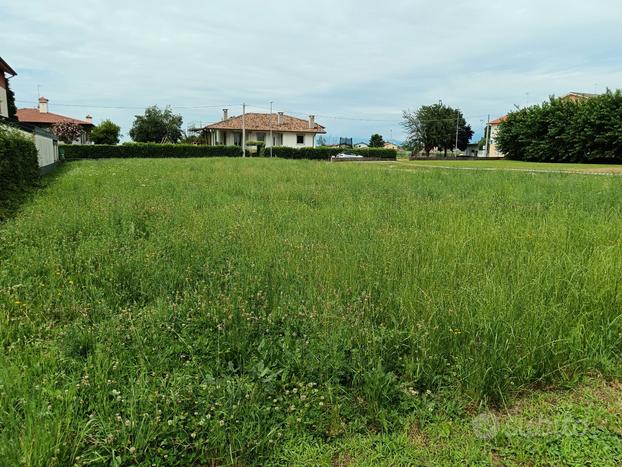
<point>492,130</point>
<point>5,71</point>
<point>271,129</point>
<point>42,118</point>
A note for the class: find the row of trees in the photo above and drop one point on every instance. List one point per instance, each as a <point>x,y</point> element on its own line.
<point>564,131</point>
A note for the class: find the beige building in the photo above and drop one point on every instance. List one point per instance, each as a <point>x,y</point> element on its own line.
<point>272,129</point>
<point>491,149</point>
<point>5,70</point>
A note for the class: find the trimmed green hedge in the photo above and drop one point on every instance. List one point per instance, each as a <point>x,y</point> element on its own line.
<point>324,153</point>
<point>19,167</point>
<point>564,131</point>
<point>147,150</point>
<point>151,150</point>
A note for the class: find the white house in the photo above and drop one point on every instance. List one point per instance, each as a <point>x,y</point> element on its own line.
<point>5,69</point>
<point>272,129</point>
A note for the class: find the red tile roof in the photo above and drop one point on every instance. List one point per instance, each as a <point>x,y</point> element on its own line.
<point>499,120</point>
<point>34,116</point>
<point>5,68</point>
<point>266,122</point>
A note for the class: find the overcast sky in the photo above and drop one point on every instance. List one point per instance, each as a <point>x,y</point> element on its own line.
<point>360,60</point>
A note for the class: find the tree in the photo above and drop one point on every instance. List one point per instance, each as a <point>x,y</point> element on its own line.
<point>434,126</point>
<point>376,141</point>
<point>10,98</point>
<point>67,132</point>
<point>321,141</point>
<point>107,132</point>
<point>157,126</point>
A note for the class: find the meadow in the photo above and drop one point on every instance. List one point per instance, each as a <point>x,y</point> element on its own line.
<point>259,311</point>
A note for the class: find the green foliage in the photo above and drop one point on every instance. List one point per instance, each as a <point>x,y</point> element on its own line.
<point>325,153</point>
<point>19,168</point>
<point>565,131</point>
<point>157,126</point>
<point>107,132</point>
<point>321,141</point>
<point>376,141</point>
<point>148,150</point>
<point>434,126</point>
<point>67,132</point>
<point>10,96</point>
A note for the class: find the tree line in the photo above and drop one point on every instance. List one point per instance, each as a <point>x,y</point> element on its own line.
<point>588,130</point>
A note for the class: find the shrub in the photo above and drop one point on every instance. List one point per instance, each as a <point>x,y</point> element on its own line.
<point>153,150</point>
<point>563,131</point>
<point>19,167</point>
<point>325,153</point>
<point>148,150</point>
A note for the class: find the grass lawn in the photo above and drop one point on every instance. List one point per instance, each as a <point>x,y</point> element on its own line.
<point>259,311</point>
<point>517,165</point>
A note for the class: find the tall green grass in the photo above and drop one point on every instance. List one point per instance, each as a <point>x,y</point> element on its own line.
<point>211,311</point>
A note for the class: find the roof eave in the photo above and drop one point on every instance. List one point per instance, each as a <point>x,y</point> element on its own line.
<point>7,68</point>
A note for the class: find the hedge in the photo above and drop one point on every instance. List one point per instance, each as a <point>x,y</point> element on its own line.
<point>565,131</point>
<point>189,150</point>
<point>325,153</point>
<point>147,150</point>
<point>19,166</point>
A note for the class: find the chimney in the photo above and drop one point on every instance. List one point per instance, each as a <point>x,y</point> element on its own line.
<point>279,118</point>
<point>225,114</point>
<point>43,105</point>
<point>311,121</point>
<point>88,119</point>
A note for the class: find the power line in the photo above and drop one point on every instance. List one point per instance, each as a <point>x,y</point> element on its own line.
<point>119,107</point>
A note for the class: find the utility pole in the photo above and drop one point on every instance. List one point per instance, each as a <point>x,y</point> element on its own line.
<point>487,135</point>
<point>457,126</point>
<point>243,130</point>
<point>271,137</point>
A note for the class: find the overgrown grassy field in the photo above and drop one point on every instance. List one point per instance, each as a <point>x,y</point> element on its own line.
<point>232,311</point>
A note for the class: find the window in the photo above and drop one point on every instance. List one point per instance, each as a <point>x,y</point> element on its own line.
<point>300,139</point>
<point>237,139</point>
<point>277,139</point>
<point>261,137</point>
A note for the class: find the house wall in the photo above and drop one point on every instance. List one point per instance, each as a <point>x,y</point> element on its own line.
<point>289,139</point>
<point>4,105</point>
<point>47,148</point>
<point>493,150</point>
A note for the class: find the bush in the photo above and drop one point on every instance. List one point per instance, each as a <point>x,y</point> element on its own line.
<point>148,150</point>
<point>153,150</point>
<point>325,153</point>
<point>19,167</point>
<point>563,131</point>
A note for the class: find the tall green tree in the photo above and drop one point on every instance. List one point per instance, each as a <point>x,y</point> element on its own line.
<point>157,126</point>
<point>10,97</point>
<point>376,141</point>
<point>434,126</point>
<point>107,132</point>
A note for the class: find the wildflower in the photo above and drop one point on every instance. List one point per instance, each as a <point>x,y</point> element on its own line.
<point>221,423</point>
<point>193,435</point>
<point>132,450</point>
<point>321,404</point>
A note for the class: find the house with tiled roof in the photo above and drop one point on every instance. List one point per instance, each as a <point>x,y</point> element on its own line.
<point>491,134</point>
<point>5,70</point>
<point>577,96</point>
<point>272,129</point>
<point>42,118</point>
